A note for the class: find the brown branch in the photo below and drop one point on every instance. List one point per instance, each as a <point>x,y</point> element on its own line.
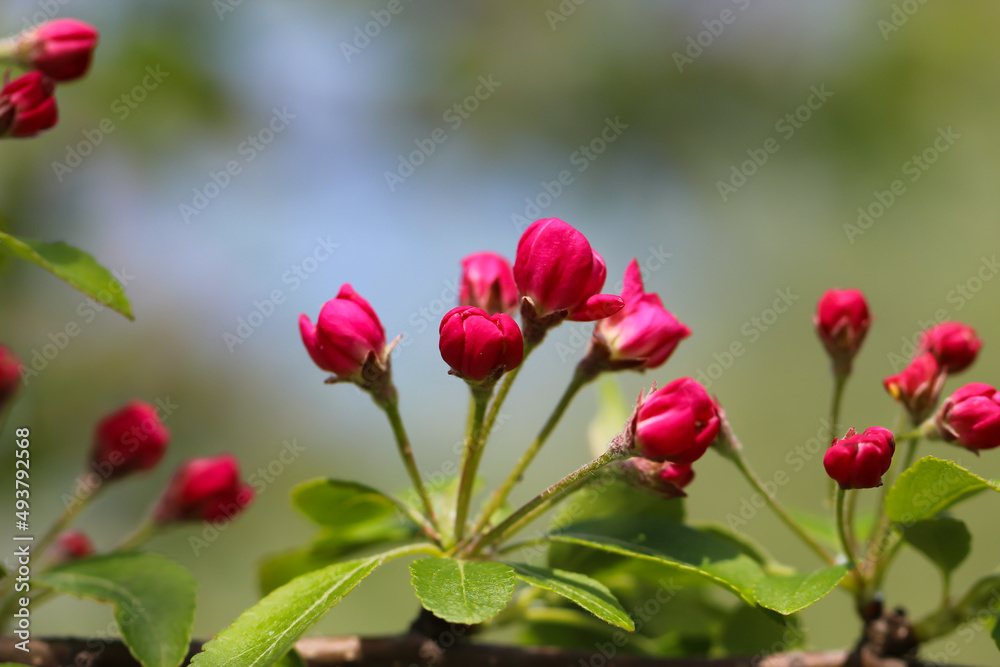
<point>416,650</point>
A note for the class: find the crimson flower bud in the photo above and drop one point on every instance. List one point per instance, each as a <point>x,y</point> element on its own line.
<point>953,344</point>
<point>10,376</point>
<point>204,490</point>
<point>70,545</point>
<point>60,49</point>
<point>479,346</point>
<point>918,386</point>
<point>971,416</point>
<point>488,283</point>
<point>643,329</point>
<point>664,479</point>
<point>842,320</point>
<point>557,270</point>
<point>27,106</point>
<point>676,423</point>
<point>346,334</point>
<point>859,461</point>
<point>129,440</point>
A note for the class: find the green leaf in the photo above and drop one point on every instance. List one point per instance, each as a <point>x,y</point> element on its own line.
<point>671,544</point>
<point>290,659</point>
<point>931,486</point>
<point>72,265</point>
<point>265,632</point>
<point>590,594</point>
<point>348,507</point>
<point>995,634</point>
<point>946,542</point>
<point>154,600</point>
<point>462,591</point>
<point>791,593</point>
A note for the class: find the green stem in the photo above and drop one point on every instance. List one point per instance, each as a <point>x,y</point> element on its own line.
<point>530,510</point>
<point>142,534</point>
<point>781,512</point>
<point>579,380</point>
<point>391,407</point>
<point>843,531</point>
<point>839,382</point>
<point>911,451</point>
<point>473,454</point>
<point>505,384</point>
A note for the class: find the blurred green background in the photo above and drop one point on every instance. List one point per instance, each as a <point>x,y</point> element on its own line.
<point>695,91</point>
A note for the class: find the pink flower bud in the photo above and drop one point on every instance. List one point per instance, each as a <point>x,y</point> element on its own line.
<point>479,346</point>
<point>346,333</point>
<point>842,320</point>
<point>204,490</point>
<point>953,344</point>
<point>70,545</point>
<point>27,106</point>
<point>918,386</point>
<point>676,423</point>
<point>10,376</point>
<point>60,49</point>
<point>971,416</point>
<point>664,479</point>
<point>129,440</point>
<point>859,461</point>
<point>488,283</point>
<point>643,329</point>
<point>556,268</point>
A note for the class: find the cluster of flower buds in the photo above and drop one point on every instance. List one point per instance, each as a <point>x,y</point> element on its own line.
<point>970,417</point>
<point>56,52</point>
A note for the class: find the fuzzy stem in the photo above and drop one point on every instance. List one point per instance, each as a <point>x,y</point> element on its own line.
<point>473,454</point>
<point>527,512</point>
<point>781,512</point>
<point>390,405</point>
<point>580,379</point>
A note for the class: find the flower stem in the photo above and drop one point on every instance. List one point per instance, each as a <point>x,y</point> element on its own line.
<point>839,382</point>
<point>579,380</point>
<point>530,510</point>
<point>843,530</point>
<point>390,405</point>
<point>143,532</point>
<point>473,454</point>
<point>781,512</point>
<point>501,396</point>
